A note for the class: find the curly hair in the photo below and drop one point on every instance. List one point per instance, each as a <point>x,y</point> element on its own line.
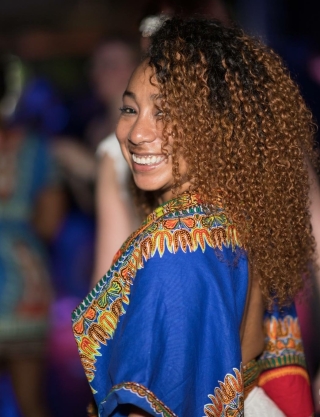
<point>242,126</point>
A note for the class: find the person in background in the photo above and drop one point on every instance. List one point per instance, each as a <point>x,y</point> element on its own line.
<point>31,210</point>
<point>110,66</point>
<point>315,217</point>
<point>113,62</point>
<point>196,315</point>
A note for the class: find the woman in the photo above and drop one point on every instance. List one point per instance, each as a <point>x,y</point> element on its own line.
<point>217,135</point>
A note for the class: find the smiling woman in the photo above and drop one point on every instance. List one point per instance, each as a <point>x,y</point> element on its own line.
<point>139,132</point>
<point>195,316</point>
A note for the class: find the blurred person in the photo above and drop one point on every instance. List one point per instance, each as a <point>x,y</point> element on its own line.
<point>313,339</point>
<point>308,307</point>
<point>31,210</point>
<point>112,64</point>
<point>196,315</point>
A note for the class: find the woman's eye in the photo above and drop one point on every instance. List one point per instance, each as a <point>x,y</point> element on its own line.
<point>159,113</point>
<point>126,110</point>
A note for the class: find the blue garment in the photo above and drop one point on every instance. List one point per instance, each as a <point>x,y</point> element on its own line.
<point>161,330</point>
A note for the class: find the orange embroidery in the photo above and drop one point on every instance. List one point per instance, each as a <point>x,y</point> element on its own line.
<point>267,376</point>
<point>90,313</point>
<point>189,222</point>
<point>157,405</point>
<point>283,334</point>
<point>78,328</point>
<point>228,399</point>
<point>170,224</point>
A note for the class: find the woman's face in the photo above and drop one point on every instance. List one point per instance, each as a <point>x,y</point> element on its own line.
<point>139,132</point>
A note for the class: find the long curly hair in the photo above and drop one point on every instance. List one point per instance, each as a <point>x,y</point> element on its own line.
<point>242,126</point>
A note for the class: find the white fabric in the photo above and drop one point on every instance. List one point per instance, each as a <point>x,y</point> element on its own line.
<point>259,404</point>
<point>111,147</point>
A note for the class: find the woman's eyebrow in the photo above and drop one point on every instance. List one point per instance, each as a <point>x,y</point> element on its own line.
<point>128,93</point>
<point>132,95</point>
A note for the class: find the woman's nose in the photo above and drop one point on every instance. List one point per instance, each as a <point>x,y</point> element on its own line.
<point>143,130</point>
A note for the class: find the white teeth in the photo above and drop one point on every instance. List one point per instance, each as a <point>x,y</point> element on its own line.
<point>147,160</point>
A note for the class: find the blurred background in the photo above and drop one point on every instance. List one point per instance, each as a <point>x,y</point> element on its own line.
<point>62,68</point>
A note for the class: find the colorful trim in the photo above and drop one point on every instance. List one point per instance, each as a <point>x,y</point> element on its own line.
<point>190,229</point>
<point>283,334</point>
<point>284,360</point>
<point>228,399</point>
<point>285,371</point>
<point>158,406</point>
<point>283,343</point>
<point>251,373</point>
<point>181,202</point>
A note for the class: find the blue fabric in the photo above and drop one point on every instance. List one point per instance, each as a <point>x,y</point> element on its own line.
<point>179,304</point>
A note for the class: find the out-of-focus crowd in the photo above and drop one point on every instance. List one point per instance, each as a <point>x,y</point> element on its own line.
<point>65,208</point>
<point>48,173</point>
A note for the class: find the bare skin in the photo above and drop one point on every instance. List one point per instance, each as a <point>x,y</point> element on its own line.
<point>115,217</point>
<point>251,333</point>
<point>27,380</point>
<point>49,211</point>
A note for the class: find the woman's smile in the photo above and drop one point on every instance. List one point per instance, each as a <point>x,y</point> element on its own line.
<point>150,160</point>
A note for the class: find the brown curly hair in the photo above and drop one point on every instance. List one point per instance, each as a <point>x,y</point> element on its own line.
<point>241,124</point>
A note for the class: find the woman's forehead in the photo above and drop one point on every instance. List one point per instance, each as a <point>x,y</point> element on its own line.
<point>143,77</point>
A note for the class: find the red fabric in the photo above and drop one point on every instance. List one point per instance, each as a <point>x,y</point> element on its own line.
<point>289,388</point>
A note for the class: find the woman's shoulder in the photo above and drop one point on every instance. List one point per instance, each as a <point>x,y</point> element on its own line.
<point>187,219</point>
<point>184,256</point>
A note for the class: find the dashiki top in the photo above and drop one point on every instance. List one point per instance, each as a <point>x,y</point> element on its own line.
<point>161,330</point>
